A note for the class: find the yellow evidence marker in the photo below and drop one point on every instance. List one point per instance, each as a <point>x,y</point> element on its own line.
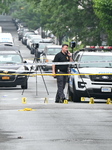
<point>24,100</point>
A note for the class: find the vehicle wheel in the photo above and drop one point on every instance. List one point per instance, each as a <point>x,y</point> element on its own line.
<point>69,93</point>
<point>25,85</point>
<point>75,96</point>
<point>22,41</point>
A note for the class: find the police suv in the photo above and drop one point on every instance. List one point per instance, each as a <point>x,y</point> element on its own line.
<point>91,74</point>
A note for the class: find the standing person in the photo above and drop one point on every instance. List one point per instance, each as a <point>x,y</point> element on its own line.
<point>37,52</point>
<point>63,56</point>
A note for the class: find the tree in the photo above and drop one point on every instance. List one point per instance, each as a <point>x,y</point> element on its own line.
<point>26,12</point>
<point>4,6</point>
<point>74,18</point>
<point>82,23</point>
<point>103,9</point>
<point>56,20</point>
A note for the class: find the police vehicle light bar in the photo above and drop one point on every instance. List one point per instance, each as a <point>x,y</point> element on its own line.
<point>100,47</point>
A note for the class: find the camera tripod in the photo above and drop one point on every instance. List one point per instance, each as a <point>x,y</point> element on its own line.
<point>40,69</point>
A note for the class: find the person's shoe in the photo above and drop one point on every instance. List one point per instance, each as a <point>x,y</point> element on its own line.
<point>61,100</point>
<point>56,101</point>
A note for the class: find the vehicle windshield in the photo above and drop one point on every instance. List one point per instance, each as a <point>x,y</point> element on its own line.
<point>53,51</point>
<point>29,33</point>
<point>10,59</point>
<point>105,61</point>
<point>42,46</point>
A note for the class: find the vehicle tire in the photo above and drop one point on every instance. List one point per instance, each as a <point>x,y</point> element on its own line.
<point>22,41</point>
<point>25,85</point>
<point>75,96</point>
<point>69,93</point>
<point>19,38</point>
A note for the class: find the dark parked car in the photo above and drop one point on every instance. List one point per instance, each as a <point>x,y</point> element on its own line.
<point>12,72</point>
<point>21,31</point>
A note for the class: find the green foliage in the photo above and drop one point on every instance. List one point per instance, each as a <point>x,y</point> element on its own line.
<point>103,9</point>
<point>4,6</point>
<point>26,12</point>
<point>65,19</point>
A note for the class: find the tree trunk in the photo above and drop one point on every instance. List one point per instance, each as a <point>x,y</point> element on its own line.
<point>60,40</point>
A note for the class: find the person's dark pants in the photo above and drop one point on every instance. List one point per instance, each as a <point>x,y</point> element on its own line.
<point>61,82</point>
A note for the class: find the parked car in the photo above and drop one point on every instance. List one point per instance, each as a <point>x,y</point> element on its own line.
<point>21,31</point>
<point>92,74</point>
<point>11,68</point>
<point>40,49</point>
<point>25,35</point>
<point>34,40</point>
<point>47,40</point>
<point>42,43</point>
<point>30,37</point>
<point>48,55</point>
<point>9,47</point>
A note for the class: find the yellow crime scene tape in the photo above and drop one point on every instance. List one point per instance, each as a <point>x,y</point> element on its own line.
<point>44,74</point>
<point>34,73</point>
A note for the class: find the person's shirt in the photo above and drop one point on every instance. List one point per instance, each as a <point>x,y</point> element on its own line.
<point>61,57</point>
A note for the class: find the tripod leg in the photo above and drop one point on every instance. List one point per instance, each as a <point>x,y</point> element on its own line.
<point>44,81</point>
<point>36,83</point>
<point>28,78</point>
<point>42,77</point>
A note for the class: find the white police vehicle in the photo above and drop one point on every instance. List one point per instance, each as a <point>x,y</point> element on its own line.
<point>6,38</point>
<point>92,74</point>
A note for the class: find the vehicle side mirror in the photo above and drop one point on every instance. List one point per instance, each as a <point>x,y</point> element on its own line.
<point>37,45</point>
<point>25,61</point>
<point>73,44</point>
<point>72,66</point>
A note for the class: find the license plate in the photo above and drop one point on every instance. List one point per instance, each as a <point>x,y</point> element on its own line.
<point>105,89</point>
<point>5,78</point>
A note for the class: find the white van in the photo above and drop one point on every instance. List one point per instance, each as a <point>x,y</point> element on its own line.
<point>6,38</point>
<point>0,29</point>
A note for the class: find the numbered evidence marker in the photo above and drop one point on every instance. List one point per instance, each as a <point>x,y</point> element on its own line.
<point>24,100</point>
<point>65,101</point>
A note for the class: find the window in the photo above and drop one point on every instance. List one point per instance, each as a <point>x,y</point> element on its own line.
<point>93,61</point>
<point>10,58</point>
<point>53,51</point>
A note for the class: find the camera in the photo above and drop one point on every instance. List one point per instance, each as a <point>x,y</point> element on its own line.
<point>73,44</point>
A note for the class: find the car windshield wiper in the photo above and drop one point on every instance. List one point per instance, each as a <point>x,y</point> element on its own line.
<point>84,66</point>
<point>10,63</point>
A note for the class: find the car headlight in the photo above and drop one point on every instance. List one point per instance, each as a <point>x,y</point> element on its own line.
<point>83,76</point>
<point>21,68</point>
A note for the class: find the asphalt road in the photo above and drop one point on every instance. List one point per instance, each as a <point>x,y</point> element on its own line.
<point>50,126</point>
